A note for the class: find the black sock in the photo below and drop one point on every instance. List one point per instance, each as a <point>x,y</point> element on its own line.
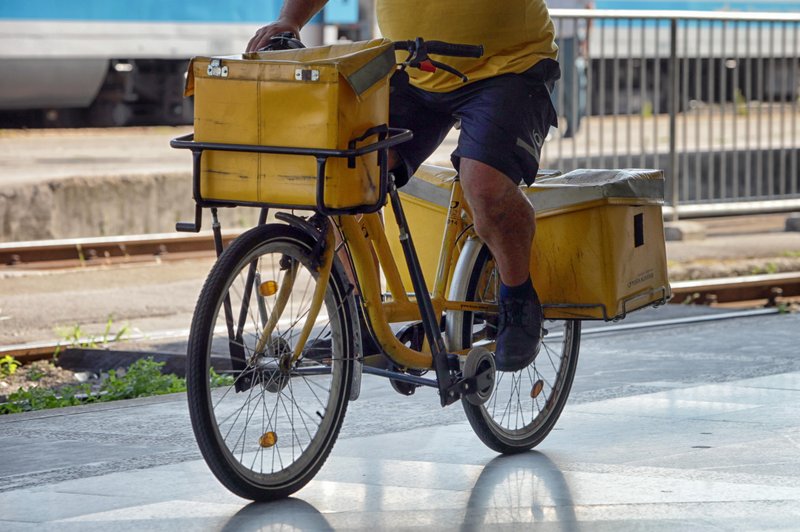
<point>522,291</point>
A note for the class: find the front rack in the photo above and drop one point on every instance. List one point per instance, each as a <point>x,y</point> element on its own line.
<point>387,138</point>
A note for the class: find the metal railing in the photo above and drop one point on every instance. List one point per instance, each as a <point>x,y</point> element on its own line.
<point>710,98</point>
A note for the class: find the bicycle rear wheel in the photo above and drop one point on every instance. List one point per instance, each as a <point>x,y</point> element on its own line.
<point>525,404</point>
<point>264,429</point>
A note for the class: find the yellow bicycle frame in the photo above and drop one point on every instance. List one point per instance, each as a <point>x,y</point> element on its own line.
<point>366,234</point>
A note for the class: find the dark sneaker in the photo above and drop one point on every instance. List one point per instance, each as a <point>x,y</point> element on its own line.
<point>519,332</point>
<point>318,348</point>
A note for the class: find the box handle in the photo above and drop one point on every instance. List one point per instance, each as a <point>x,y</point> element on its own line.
<point>382,131</point>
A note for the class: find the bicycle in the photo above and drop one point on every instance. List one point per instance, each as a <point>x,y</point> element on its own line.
<point>266,411</point>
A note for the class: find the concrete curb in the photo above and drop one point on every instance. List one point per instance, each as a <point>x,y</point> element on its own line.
<point>100,206</point>
<point>681,231</point>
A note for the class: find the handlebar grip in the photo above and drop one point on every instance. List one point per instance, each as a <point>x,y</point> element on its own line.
<point>404,45</point>
<point>454,50</point>
<point>286,40</point>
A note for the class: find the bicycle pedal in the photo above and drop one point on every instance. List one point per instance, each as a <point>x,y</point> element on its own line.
<point>403,387</point>
<point>453,362</point>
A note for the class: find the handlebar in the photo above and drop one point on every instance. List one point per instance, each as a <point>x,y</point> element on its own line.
<point>441,48</point>
<point>419,49</point>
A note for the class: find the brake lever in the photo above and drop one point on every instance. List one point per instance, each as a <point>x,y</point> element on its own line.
<point>419,59</point>
<point>448,68</point>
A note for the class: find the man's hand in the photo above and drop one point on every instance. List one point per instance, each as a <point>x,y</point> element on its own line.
<point>294,15</point>
<point>264,34</point>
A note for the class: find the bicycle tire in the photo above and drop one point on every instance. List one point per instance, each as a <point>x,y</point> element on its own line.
<point>552,372</point>
<point>296,416</point>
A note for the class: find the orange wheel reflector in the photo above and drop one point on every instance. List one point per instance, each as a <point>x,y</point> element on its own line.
<point>269,288</point>
<point>537,388</point>
<point>268,439</point>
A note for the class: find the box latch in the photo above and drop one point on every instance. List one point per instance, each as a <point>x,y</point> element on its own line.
<point>306,74</point>
<point>216,70</point>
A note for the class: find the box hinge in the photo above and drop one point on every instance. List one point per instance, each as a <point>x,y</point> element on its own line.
<point>306,74</point>
<point>216,70</point>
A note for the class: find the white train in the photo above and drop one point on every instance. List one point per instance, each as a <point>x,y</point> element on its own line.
<point>119,62</point>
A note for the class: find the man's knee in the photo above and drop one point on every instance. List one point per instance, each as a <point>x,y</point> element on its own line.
<point>495,199</point>
<point>483,183</point>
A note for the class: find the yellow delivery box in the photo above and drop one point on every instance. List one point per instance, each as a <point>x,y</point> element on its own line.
<point>599,248</point>
<point>318,98</point>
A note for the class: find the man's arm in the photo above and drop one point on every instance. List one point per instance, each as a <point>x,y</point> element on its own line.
<point>293,16</point>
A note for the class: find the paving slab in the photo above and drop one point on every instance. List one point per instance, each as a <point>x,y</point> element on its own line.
<point>662,432</point>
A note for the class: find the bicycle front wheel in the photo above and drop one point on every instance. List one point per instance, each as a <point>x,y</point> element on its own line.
<point>525,404</point>
<point>265,428</point>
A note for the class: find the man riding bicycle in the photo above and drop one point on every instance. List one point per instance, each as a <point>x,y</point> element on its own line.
<point>505,113</point>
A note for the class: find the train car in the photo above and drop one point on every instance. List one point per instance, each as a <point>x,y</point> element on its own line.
<point>752,58</point>
<point>118,62</point>
<point>774,6</point>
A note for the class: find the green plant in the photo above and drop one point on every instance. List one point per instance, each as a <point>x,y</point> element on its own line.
<point>76,337</point>
<point>35,398</point>
<point>35,374</point>
<point>8,366</point>
<point>143,378</point>
<point>219,381</point>
<point>767,268</point>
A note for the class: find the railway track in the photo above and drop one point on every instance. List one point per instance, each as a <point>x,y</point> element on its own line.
<point>736,290</point>
<point>86,252</point>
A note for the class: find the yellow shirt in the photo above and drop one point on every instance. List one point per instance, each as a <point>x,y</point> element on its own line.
<point>515,34</point>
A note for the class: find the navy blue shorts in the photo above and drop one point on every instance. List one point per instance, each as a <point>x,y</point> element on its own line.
<point>504,121</point>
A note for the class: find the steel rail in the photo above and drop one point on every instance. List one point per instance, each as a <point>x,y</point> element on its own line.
<point>738,289</point>
<point>750,288</point>
<point>80,252</point>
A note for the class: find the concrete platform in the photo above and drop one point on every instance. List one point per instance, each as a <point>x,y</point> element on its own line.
<point>689,428</point>
<point>120,181</point>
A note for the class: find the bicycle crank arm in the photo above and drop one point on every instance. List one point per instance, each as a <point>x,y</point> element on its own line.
<point>473,388</point>
<point>478,376</point>
<point>402,377</point>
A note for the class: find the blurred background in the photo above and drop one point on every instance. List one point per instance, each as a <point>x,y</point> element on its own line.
<point>706,90</point>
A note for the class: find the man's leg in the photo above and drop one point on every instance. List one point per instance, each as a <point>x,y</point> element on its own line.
<point>504,218</point>
<point>505,221</point>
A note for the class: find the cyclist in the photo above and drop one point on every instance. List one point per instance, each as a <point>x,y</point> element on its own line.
<point>505,113</point>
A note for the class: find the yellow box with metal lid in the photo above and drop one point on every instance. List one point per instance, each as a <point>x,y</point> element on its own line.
<point>599,250</point>
<point>320,98</point>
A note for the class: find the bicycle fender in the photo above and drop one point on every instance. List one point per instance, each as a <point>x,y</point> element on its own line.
<point>314,232</point>
<point>358,366</point>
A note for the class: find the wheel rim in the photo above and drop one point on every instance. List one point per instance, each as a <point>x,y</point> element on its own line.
<point>282,423</point>
<point>524,404</point>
